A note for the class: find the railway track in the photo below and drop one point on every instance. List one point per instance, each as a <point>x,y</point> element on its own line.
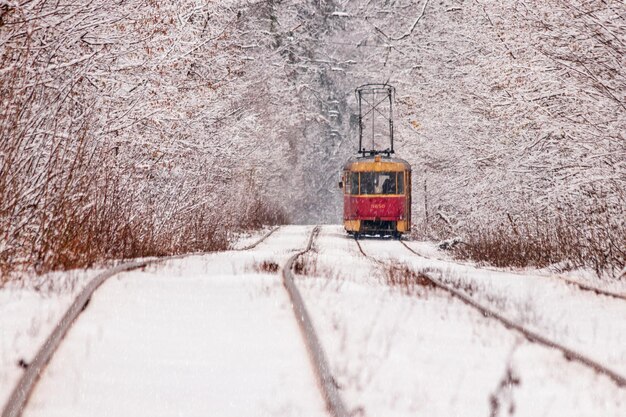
<point>330,392</point>
<point>530,335</point>
<point>579,285</point>
<point>261,240</point>
<point>21,393</point>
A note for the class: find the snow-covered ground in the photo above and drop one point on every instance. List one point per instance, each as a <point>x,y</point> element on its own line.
<point>244,239</point>
<point>206,335</point>
<point>429,354</point>
<point>582,320</point>
<point>584,276</point>
<point>215,335</point>
<point>29,312</point>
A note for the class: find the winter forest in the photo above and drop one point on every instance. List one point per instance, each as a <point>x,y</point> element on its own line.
<point>139,127</point>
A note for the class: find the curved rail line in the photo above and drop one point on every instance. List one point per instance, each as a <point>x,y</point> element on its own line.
<point>530,335</point>
<point>255,244</point>
<point>21,393</point>
<point>581,286</point>
<point>334,403</point>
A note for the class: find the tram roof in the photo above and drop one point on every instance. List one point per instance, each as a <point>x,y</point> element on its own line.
<point>376,163</point>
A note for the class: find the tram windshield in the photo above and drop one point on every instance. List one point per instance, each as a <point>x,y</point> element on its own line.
<point>382,183</point>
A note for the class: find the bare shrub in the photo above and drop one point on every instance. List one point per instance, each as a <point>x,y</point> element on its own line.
<point>305,265</point>
<point>263,213</point>
<point>406,279</point>
<point>260,211</point>
<point>468,287</point>
<point>85,175</point>
<point>266,266</point>
<point>594,237</point>
<point>308,266</point>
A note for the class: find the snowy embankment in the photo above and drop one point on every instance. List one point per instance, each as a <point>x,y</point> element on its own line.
<point>215,335</point>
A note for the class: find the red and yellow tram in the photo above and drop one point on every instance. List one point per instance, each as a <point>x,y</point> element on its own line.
<point>377,195</point>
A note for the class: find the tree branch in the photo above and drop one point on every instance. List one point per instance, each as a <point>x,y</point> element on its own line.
<point>409,32</point>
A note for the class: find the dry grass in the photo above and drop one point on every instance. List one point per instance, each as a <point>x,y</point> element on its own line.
<point>81,235</point>
<point>260,212</point>
<point>586,229</point>
<point>308,265</point>
<point>90,217</point>
<point>600,246</point>
<point>269,267</point>
<point>407,280</point>
<point>302,267</point>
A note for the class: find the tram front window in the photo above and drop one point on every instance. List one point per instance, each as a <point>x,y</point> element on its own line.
<point>378,183</point>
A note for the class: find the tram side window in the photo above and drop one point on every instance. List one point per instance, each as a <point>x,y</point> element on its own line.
<point>354,182</point>
<point>400,182</point>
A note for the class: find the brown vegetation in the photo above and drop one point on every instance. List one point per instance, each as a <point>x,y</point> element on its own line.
<point>305,265</point>
<point>409,281</point>
<point>270,267</point>
<point>260,212</point>
<point>595,239</point>
<point>98,162</point>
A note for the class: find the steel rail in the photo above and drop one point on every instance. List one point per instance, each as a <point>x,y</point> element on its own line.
<point>598,291</point>
<point>581,286</point>
<point>334,403</point>
<point>530,335</point>
<point>255,244</point>
<point>21,393</point>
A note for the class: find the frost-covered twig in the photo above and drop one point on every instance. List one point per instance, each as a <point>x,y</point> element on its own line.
<point>408,32</point>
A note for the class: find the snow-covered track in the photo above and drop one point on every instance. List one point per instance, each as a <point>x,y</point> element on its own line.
<point>327,384</point>
<point>596,290</point>
<point>22,391</point>
<point>262,239</point>
<point>579,285</point>
<point>530,335</point>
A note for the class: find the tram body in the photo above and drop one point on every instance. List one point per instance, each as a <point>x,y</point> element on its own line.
<point>377,195</point>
